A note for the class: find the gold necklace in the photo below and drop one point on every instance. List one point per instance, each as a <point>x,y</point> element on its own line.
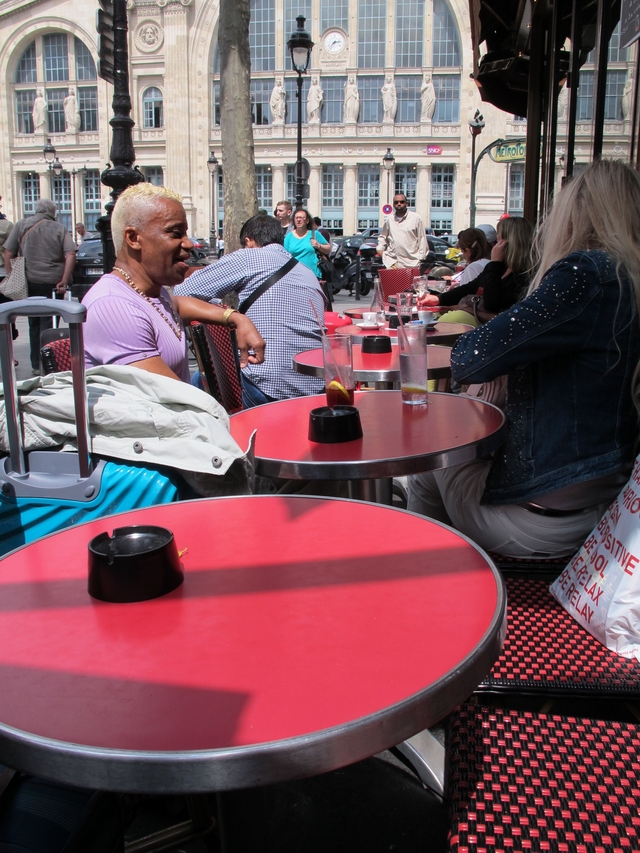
<point>177,330</point>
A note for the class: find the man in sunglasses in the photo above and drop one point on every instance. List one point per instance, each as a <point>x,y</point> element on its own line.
<point>403,240</point>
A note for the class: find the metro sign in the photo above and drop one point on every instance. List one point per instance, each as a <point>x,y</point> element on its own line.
<point>434,149</point>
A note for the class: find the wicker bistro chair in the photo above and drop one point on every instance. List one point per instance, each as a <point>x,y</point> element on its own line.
<point>55,356</point>
<point>397,280</point>
<point>547,653</point>
<point>524,781</point>
<point>217,356</point>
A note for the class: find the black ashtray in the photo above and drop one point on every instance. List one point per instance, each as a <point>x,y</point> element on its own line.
<point>134,563</point>
<point>376,343</point>
<point>330,426</point>
<point>394,320</point>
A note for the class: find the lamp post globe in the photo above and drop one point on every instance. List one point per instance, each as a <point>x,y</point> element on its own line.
<point>476,126</point>
<point>49,152</point>
<point>299,47</point>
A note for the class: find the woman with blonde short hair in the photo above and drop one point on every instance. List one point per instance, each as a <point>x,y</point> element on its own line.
<point>570,351</point>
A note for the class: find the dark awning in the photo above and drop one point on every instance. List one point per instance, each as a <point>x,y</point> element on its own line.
<point>504,26</point>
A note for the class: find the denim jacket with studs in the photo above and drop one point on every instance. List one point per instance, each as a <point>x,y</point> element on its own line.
<point>569,350</point>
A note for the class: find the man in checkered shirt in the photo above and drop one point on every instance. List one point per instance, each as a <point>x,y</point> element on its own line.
<point>283,314</point>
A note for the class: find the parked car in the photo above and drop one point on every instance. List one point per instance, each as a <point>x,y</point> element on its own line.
<point>89,265</point>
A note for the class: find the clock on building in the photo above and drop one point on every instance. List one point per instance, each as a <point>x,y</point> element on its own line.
<point>334,41</point>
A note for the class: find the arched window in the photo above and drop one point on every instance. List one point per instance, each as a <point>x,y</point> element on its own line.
<point>67,65</point>
<point>409,33</point>
<point>85,66</point>
<point>262,35</point>
<point>26,70</point>
<point>293,8</point>
<point>334,13</point>
<point>446,43</point>
<point>152,108</point>
<point>372,15</point>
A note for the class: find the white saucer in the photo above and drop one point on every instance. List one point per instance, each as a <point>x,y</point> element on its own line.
<point>364,325</point>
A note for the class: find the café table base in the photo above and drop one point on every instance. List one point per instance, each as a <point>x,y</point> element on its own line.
<point>376,491</point>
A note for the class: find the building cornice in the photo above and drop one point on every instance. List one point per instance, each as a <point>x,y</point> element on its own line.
<point>13,7</point>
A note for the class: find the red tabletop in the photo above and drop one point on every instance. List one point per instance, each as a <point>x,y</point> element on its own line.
<point>445,334</point>
<point>397,439</point>
<point>308,633</point>
<point>375,367</point>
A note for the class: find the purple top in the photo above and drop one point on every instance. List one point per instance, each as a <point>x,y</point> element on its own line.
<point>122,328</point>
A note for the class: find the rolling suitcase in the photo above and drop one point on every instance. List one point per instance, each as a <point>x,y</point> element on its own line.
<point>45,491</point>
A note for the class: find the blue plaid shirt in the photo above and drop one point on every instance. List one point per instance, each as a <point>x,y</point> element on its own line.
<point>283,315</point>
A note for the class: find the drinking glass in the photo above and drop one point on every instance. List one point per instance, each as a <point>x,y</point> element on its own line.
<point>419,284</point>
<point>412,341</point>
<point>404,305</point>
<point>338,370</point>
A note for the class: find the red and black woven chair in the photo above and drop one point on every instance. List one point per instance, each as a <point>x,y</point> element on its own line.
<point>56,356</point>
<point>520,781</point>
<point>397,281</point>
<point>546,652</point>
<point>217,356</point>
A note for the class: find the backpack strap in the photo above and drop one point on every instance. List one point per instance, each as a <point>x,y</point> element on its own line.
<point>257,293</point>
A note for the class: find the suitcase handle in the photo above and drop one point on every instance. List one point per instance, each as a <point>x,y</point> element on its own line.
<point>74,314</point>
<point>40,306</point>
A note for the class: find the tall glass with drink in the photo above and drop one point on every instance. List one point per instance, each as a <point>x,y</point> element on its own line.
<point>412,343</point>
<point>338,370</point>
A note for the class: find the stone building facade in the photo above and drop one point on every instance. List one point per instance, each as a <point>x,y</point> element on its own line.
<point>384,74</point>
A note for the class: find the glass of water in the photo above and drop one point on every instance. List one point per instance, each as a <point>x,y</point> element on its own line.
<point>412,343</point>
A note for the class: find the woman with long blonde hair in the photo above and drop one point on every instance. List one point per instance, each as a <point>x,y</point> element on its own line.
<point>504,279</point>
<point>570,351</point>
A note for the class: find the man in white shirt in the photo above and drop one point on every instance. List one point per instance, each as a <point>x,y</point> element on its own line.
<point>403,240</point>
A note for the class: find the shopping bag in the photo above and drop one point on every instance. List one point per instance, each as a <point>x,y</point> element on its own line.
<point>14,286</point>
<point>600,587</point>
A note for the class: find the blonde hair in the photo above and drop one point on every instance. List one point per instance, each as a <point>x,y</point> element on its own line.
<point>518,233</point>
<point>135,207</point>
<point>598,209</point>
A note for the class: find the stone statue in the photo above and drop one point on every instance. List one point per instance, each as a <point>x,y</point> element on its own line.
<point>39,112</point>
<point>428,98</point>
<point>71,113</point>
<point>389,98</point>
<point>351,100</point>
<point>314,100</point>
<point>563,103</point>
<point>627,95</point>
<point>278,102</point>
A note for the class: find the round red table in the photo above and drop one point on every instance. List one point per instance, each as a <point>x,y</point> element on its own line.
<point>445,334</point>
<point>397,439</point>
<point>375,367</point>
<point>292,647</point>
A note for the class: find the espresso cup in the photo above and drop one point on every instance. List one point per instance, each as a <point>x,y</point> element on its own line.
<point>370,318</point>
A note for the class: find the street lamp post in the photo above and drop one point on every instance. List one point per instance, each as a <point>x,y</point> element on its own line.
<point>476,126</point>
<point>120,173</point>
<point>212,165</point>
<point>53,164</point>
<point>300,46</point>
<point>388,161</point>
<point>74,223</point>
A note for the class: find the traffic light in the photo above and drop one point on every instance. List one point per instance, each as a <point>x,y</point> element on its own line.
<point>104,26</point>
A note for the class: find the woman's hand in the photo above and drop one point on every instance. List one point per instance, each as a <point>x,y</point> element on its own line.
<point>249,340</point>
<point>325,248</point>
<point>498,251</point>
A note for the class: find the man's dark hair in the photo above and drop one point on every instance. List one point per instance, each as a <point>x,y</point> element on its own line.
<point>263,229</point>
